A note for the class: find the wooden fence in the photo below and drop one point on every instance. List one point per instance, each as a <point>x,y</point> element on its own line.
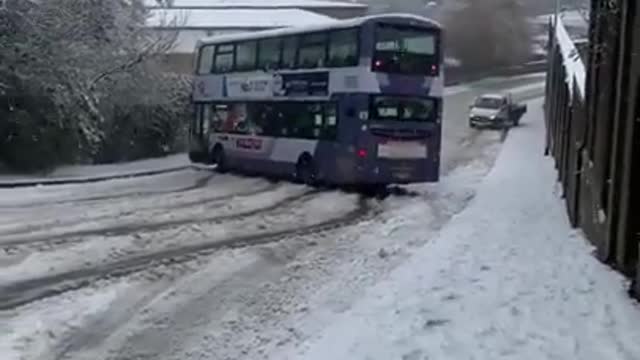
<point>592,130</point>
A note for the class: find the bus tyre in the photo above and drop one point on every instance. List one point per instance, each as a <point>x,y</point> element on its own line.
<point>306,172</point>
<point>219,159</point>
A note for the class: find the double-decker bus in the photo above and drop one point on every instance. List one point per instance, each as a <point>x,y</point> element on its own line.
<point>350,102</point>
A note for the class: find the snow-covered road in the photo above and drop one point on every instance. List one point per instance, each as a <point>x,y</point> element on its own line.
<point>507,278</point>
<point>196,265</point>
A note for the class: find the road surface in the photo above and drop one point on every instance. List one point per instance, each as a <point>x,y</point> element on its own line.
<point>196,265</point>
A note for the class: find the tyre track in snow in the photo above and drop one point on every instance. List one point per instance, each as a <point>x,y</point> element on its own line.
<point>198,184</point>
<point>117,230</point>
<point>126,229</point>
<point>24,292</point>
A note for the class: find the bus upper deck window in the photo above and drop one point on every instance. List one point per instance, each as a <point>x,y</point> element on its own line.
<point>313,50</point>
<point>269,54</point>
<point>343,48</point>
<point>205,59</point>
<point>406,49</point>
<point>223,60</point>
<point>289,48</point>
<point>246,54</point>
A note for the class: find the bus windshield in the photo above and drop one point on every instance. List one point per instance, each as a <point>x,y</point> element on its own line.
<point>403,109</point>
<point>404,49</point>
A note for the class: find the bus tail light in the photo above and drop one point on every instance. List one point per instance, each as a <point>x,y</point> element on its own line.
<point>377,64</point>
<point>362,153</point>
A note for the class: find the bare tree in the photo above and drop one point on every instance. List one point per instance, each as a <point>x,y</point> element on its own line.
<point>484,34</point>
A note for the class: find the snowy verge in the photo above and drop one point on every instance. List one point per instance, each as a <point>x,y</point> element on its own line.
<point>505,278</point>
<point>88,179</point>
<point>96,173</point>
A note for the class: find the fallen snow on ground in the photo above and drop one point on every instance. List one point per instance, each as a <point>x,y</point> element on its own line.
<point>104,249</point>
<point>506,278</point>
<point>36,330</point>
<point>49,195</point>
<point>293,287</point>
<point>74,171</point>
<point>54,219</point>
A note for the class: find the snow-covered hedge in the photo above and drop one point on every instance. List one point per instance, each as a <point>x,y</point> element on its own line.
<point>73,71</point>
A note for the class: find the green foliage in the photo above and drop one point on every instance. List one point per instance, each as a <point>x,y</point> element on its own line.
<point>31,141</point>
<point>142,131</point>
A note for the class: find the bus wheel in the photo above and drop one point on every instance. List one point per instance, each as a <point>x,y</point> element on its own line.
<point>219,159</point>
<point>306,172</point>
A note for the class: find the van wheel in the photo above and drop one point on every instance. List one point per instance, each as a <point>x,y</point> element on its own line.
<point>219,159</point>
<point>306,172</point>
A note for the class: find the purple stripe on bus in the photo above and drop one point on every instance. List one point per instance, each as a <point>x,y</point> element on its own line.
<point>402,84</point>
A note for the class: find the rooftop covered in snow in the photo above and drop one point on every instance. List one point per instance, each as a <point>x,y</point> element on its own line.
<point>233,19</point>
<point>258,4</point>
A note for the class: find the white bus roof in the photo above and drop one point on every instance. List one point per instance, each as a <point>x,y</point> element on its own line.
<point>329,25</point>
<point>258,4</point>
<point>211,19</point>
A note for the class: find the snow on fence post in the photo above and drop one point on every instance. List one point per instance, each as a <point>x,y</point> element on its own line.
<point>574,66</point>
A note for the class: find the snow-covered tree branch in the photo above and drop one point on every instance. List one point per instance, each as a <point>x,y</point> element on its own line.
<point>88,59</point>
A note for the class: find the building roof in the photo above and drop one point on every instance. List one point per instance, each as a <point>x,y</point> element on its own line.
<point>241,19</point>
<point>259,4</point>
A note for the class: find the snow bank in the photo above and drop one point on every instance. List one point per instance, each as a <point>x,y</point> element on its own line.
<point>576,71</point>
<point>506,278</point>
<point>79,172</point>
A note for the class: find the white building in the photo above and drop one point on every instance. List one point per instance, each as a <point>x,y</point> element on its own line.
<point>195,19</point>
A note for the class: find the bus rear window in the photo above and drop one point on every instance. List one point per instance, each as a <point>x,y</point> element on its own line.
<point>405,49</point>
<point>405,40</point>
<point>403,109</point>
